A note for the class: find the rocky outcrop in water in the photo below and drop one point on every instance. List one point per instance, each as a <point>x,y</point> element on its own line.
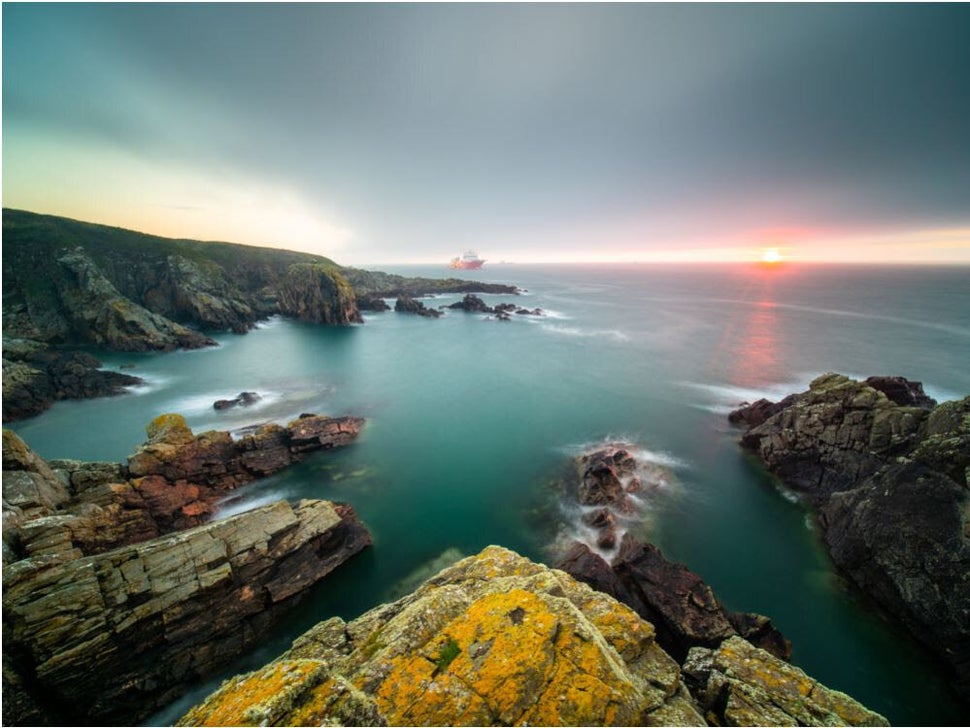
<point>473,304</point>
<point>496,640</point>
<point>684,609</point>
<point>888,476</point>
<point>406,304</point>
<point>243,399</point>
<point>36,375</point>
<point>109,609</point>
<point>376,284</point>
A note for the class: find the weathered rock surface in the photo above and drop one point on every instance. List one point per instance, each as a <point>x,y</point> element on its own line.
<point>406,304</point>
<point>35,375</point>
<point>499,640</point>
<point>495,639</point>
<point>889,480</point>
<point>107,614</point>
<point>109,638</point>
<point>738,684</point>
<point>473,304</point>
<point>675,600</point>
<point>684,609</point>
<point>372,303</point>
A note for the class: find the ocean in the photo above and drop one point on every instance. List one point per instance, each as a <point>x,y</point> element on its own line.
<point>471,422</point>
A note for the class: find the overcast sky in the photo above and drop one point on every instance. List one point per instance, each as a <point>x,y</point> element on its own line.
<point>408,133</point>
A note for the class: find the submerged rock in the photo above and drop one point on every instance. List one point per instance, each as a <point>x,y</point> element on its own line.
<point>499,640</point>
<point>889,481</point>
<point>243,399</point>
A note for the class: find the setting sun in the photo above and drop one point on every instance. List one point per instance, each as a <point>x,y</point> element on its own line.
<point>770,255</point>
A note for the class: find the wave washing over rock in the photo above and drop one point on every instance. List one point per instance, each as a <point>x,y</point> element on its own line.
<point>499,640</point>
<point>119,591</point>
<point>888,473</point>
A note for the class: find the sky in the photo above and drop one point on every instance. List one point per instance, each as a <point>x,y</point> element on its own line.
<point>530,133</point>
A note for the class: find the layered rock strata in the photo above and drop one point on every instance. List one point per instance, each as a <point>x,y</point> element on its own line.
<point>493,640</point>
<point>107,613</point>
<point>888,474</point>
<point>108,639</point>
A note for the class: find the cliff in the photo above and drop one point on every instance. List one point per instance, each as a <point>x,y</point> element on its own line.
<point>120,592</point>
<point>888,474</point>
<point>68,283</point>
<point>499,640</point>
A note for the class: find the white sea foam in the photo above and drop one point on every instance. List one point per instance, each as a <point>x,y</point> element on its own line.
<point>242,504</point>
<point>269,323</point>
<point>615,334</point>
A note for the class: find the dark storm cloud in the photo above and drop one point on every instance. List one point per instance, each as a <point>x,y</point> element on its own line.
<point>423,124</point>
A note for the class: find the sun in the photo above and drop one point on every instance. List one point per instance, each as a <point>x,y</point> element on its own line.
<point>770,255</point>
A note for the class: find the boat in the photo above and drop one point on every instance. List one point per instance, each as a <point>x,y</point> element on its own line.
<point>469,261</point>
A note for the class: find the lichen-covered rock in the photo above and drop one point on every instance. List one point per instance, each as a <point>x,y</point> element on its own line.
<point>493,640</point>
<point>317,293</point>
<point>109,638</point>
<point>739,684</point>
<point>889,479</point>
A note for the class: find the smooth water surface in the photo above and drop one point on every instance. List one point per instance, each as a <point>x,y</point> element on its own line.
<point>470,420</point>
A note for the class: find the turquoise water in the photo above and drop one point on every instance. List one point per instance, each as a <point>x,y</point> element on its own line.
<point>469,420</point>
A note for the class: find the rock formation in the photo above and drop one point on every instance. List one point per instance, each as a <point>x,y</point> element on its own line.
<point>888,476</point>
<point>473,304</point>
<point>684,609</point>
<point>109,609</point>
<point>35,375</point>
<point>406,304</point>
<point>499,640</point>
<point>738,684</point>
<point>243,399</point>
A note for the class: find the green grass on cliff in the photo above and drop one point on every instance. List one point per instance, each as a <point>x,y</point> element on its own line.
<point>22,229</point>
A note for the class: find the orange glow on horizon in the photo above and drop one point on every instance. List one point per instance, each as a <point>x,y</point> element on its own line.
<point>771,256</point>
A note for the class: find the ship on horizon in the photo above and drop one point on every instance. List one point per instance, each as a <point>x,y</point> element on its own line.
<point>469,261</point>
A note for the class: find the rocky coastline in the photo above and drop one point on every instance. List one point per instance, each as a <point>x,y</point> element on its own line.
<point>886,471</point>
<point>121,591</point>
<point>70,284</point>
<point>499,640</point>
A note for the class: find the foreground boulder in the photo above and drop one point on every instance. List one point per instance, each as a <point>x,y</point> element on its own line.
<point>111,638</point>
<point>738,684</point>
<point>888,475</point>
<point>493,640</point>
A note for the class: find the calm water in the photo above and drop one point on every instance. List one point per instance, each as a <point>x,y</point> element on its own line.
<point>469,420</point>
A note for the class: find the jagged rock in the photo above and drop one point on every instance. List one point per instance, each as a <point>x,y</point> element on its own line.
<point>739,684</point>
<point>527,312</point>
<point>889,482</point>
<point>372,303</point>
<point>606,477</point>
<point>243,399</point>
<point>109,638</point>
<point>472,304</point>
<point>317,293</point>
<point>406,304</point>
<point>98,313</point>
<point>684,609</point>
<point>35,375</point>
<point>498,640</point>
<point>495,639</point>
<point>173,482</point>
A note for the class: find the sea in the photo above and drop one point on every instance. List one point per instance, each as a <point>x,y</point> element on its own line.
<point>472,423</point>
